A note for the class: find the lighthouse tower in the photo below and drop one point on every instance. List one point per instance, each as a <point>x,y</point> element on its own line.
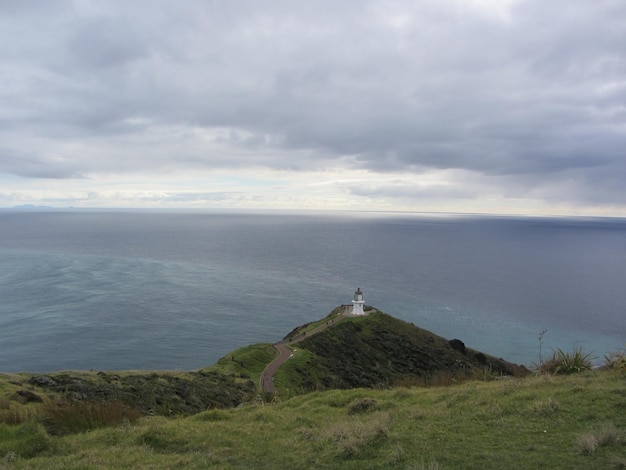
<point>357,303</point>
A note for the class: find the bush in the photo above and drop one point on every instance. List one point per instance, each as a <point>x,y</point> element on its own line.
<point>74,417</point>
<point>615,360</point>
<point>563,363</point>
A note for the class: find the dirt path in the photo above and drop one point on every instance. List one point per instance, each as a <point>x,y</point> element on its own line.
<point>285,353</point>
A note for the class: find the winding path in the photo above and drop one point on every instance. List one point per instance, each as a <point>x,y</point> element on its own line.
<point>284,352</point>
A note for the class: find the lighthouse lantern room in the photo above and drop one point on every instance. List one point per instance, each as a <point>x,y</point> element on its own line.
<point>358,302</point>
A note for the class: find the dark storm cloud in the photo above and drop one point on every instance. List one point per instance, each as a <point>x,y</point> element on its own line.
<point>533,93</point>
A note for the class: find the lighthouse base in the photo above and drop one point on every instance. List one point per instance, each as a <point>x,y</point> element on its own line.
<point>357,309</point>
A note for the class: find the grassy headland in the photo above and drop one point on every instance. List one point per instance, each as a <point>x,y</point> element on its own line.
<point>386,395</point>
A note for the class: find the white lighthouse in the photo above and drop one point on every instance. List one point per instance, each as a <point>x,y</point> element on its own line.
<point>357,303</point>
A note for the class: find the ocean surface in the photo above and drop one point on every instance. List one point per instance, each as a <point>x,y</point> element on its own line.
<point>178,290</point>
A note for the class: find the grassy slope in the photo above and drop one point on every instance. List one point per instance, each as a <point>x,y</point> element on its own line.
<point>509,423</point>
<point>531,422</point>
<point>379,350</point>
<point>247,362</point>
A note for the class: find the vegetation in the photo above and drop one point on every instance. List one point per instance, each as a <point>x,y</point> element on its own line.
<point>79,416</point>
<point>302,330</point>
<point>245,363</point>
<point>370,392</point>
<point>571,421</point>
<point>563,362</point>
<point>616,360</point>
<point>379,350</point>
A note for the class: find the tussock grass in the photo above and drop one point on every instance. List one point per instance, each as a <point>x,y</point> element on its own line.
<point>73,417</point>
<point>362,405</point>
<point>615,360</point>
<point>15,415</point>
<point>588,442</point>
<point>563,363</point>
<point>350,437</point>
<point>618,462</point>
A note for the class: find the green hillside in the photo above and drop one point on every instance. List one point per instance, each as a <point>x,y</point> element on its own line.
<point>355,392</point>
<point>379,350</point>
<point>569,422</point>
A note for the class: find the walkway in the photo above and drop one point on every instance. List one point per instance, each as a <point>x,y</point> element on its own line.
<point>284,353</point>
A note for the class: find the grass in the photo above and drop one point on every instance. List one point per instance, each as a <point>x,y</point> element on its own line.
<point>616,360</point>
<point>543,421</point>
<point>247,362</point>
<point>71,417</point>
<point>412,412</point>
<point>307,327</point>
<point>165,393</point>
<point>588,442</point>
<point>563,362</point>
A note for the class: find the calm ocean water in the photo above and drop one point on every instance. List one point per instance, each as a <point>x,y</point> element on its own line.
<point>179,290</point>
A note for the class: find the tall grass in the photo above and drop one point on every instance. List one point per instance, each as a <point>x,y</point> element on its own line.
<point>564,363</point>
<point>587,443</point>
<point>615,360</point>
<point>526,423</point>
<point>61,418</point>
<point>26,441</point>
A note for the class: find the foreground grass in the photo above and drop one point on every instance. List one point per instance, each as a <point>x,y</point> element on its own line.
<point>574,422</point>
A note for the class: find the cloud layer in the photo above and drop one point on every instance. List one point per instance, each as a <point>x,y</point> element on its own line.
<point>455,105</point>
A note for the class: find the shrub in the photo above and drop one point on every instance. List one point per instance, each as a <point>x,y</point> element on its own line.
<point>615,360</point>
<point>481,358</point>
<point>563,363</point>
<point>74,417</point>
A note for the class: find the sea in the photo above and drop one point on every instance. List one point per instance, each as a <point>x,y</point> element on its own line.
<point>177,290</point>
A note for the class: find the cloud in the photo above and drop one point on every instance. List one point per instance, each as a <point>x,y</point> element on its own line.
<point>524,94</point>
<point>35,166</point>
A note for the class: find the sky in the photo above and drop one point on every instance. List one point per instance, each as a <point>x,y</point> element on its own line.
<point>481,106</point>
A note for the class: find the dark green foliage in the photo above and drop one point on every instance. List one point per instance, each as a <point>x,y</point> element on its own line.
<point>155,393</point>
<point>380,350</point>
<point>26,396</point>
<point>458,345</point>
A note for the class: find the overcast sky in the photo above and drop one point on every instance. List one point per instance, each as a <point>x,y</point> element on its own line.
<point>498,106</point>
